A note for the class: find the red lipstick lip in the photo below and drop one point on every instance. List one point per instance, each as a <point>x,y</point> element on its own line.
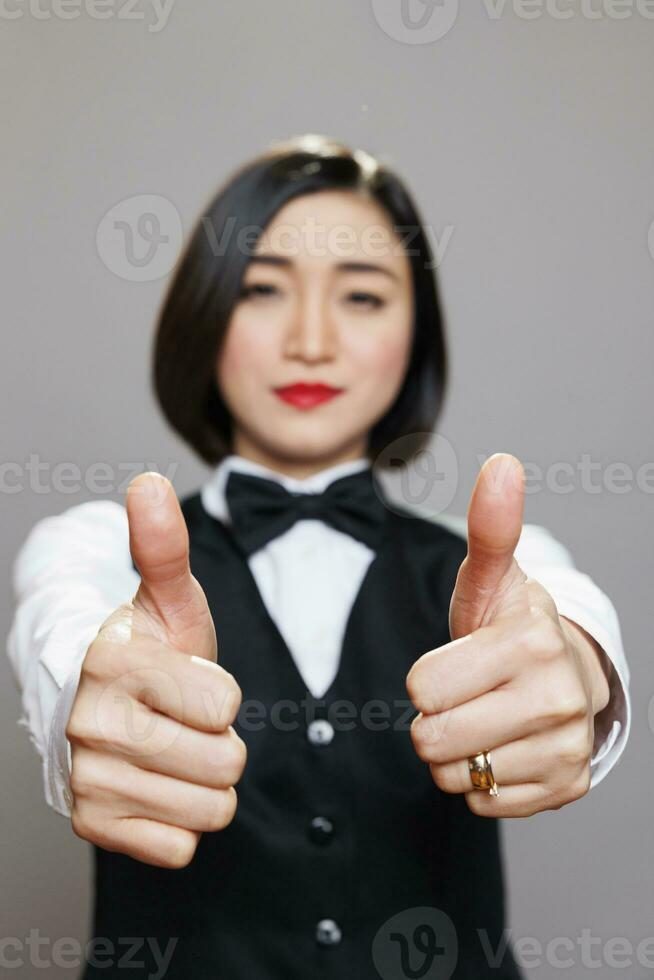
<point>306,395</point>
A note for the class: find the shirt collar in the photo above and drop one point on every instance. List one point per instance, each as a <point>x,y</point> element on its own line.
<point>213,491</point>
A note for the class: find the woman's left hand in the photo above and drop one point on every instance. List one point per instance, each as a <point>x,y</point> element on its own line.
<point>517,679</point>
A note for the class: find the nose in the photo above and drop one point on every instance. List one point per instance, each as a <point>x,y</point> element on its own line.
<point>311,336</point>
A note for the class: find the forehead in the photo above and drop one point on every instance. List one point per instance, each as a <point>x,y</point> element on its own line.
<point>331,226</point>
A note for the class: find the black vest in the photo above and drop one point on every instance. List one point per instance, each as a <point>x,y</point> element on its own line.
<point>344,859</point>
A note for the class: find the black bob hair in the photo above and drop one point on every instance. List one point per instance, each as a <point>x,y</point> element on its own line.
<point>207,282</point>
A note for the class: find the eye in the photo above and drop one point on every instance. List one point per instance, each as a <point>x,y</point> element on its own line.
<point>257,289</point>
<point>367,299</point>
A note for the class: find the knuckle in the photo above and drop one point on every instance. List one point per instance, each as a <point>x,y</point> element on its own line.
<point>228,759</point>
<point>577,705</point>
<point>572,790</point>
<point>574,750</point>
<point>539,597</point>
<point>224,809</point>
<point>543,798</point>
<point>531,809</point>
<point>96,663</point>
<point>106,662</point>
<point>82,826</point>
<point>76,729</point>
<point>81,784</point>
<point>581,785</point>
<point>437,775</point>
<point>233,696</point>
<point>557,706</point>
<point>113,734</point>
<point>237,693</point>
<point>238,754</point>
<point>421,685</point>
<point>555,798</point>
<point>425,749</point>
<point>226,698</point>
<point>443,778</point>
<point>476,803</point>
<point>543,640</point>
<point>572,704</point>
<point>413,682</point>
<point>180,851</point>
<point>531,636</point>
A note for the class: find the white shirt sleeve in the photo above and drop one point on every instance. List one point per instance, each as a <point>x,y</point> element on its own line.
<point>72,571</point>
<point>546,560</point>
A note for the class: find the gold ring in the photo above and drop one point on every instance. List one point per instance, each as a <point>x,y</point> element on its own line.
<point>481,773</point>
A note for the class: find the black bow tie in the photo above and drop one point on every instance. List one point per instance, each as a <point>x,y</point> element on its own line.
<point>262,509</point>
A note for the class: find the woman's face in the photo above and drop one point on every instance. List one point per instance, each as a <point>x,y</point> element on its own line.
<point>327,300</point>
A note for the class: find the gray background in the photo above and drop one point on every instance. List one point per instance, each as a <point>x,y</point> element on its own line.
<point>533,140</point>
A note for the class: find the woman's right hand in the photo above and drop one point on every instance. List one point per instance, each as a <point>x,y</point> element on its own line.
<point>154,755</point>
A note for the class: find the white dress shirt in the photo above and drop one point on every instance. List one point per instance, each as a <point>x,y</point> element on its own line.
<point>75,568</point>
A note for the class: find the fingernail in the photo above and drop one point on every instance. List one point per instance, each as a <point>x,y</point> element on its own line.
<point>152,485</point>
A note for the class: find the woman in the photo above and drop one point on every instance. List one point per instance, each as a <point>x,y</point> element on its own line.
<point>283,615</point>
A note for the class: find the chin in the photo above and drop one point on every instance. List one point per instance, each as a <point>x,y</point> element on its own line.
<point>305,450</point>
<point>302,446</point>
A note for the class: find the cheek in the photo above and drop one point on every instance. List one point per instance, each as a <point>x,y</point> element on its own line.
<point>382,360</point>
<point>244,357</point>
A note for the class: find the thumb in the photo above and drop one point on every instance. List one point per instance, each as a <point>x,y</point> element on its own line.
<point>169,603</point>
<point>490,573</point>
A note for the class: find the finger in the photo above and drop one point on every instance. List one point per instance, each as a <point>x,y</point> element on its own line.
<point>127,791</point>
<point>168,596</point>
<point>179,803</point>
<point>494,528</point>
<point>522,800</point>
<point>158,844</point>
<point>194,691</point>
<point>213,760</point>
<point>495,718</point>
<point>524,761</point>
<point>463,669</point>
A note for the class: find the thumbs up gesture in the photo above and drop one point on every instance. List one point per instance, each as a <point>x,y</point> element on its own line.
<point>517,680</point>
<point>154,754</point>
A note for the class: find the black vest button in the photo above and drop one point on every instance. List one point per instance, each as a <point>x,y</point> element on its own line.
<point>320,732</point>
<point>321,830</point>
<point>328,933</point>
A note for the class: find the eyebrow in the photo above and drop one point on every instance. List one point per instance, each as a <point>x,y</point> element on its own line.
<point>281,261</point>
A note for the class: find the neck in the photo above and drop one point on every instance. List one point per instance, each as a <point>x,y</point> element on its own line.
<point>295,466</point>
